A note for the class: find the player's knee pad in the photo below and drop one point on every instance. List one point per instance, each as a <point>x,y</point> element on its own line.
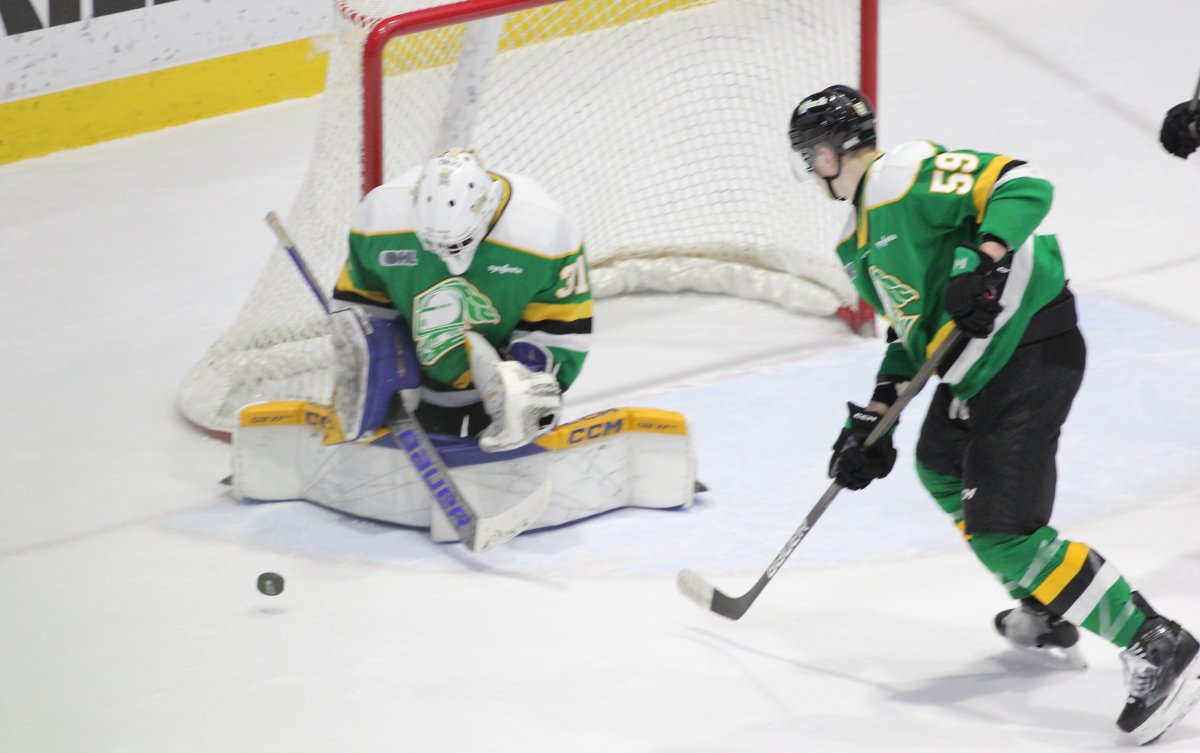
<point>945,490</point>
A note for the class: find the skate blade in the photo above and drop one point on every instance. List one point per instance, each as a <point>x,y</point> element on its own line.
<point>1055,657</point>
<point>1176,707</point>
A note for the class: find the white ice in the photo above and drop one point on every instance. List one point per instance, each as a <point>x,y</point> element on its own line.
<point>128,616</point>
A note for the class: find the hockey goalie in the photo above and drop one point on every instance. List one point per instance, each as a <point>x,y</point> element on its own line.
<point>466,313</point>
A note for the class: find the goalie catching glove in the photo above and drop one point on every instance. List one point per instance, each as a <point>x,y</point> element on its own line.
<point>854,465</point>
<point>523,404</point>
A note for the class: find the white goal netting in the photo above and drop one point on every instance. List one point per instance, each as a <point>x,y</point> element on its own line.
<point>660,125</point>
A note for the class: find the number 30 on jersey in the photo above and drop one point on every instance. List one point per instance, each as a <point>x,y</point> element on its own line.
<point>575,279</point>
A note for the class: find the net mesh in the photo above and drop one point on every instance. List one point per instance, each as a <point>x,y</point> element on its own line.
<point>659,125</point>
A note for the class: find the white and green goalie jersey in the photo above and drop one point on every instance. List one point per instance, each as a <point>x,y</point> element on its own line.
<point>528,281</point>
<point>918,203</point>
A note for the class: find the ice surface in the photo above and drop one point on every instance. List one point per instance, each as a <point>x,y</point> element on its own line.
<point>130,621</point>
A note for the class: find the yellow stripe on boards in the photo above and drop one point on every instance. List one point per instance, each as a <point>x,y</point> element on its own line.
<point>146,102</point>
<point>439,47</point>
<point>1072,563</point>
<point>566,19</point>
<point>150,101</point>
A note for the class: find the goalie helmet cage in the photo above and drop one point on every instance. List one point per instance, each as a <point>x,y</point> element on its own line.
<point>659,125</point>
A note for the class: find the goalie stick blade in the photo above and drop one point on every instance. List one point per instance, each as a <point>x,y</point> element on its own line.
<point>493,531</point>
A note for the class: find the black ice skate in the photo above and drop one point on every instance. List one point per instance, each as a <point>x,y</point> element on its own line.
<point>1163,673</point>
<point>1030,628</point>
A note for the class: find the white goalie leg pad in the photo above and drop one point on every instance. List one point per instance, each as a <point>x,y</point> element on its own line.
<point>522,404</point>
<point>285,450</point>
<point>627,457</point>
<point>277,449</point>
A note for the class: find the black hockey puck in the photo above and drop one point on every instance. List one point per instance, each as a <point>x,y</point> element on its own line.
<point>270,583</point>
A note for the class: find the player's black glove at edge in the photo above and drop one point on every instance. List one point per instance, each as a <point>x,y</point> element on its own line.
<point>853,465</point>
<point>972,298</point>
<point>1180,134</point>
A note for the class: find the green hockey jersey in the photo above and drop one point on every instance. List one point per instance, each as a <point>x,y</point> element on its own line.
<point>915,205</point>
<point>528,282</point>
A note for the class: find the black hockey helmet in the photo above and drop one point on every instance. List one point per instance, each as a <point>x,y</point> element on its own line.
<point>838,116</point>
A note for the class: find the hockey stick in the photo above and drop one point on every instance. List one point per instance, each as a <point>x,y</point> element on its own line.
<point>1194,126</point>
<point>696,588</point>
<point>477,532</point>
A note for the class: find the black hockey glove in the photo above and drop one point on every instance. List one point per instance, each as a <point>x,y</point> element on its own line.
<point>853,465</point>
<point>1180,134</point>
<point>972,298</point>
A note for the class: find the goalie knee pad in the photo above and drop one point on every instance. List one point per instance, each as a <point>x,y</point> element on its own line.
<point>373,360</point>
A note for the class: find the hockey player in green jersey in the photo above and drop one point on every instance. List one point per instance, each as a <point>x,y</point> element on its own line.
<point>489,275</point>
<point>942,239</point>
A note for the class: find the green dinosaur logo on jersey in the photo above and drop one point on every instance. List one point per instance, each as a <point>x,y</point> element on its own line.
<point>895,296</point>
<point>442,313</point>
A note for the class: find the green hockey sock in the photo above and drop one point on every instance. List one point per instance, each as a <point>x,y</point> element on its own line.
<point>1070,578</point>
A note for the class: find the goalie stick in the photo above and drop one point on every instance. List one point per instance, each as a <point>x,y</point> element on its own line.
<point>477,532</point>
<point>699,590</point>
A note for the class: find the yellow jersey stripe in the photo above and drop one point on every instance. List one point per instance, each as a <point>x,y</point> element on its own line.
<point>346,285</point>
<point>937,340</point>
<point>983,186</point>
<point>532,252</point>
<point>562,312</point>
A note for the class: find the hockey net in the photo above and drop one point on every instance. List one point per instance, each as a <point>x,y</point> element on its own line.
<point>659,125</point>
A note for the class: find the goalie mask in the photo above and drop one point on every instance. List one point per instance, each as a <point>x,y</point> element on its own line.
<point>454,201</point>
<point>827,125</point>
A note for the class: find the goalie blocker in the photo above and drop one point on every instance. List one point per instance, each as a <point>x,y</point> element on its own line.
<point>624,457</point>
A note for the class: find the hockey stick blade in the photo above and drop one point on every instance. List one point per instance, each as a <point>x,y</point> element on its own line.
<point>701,592</point>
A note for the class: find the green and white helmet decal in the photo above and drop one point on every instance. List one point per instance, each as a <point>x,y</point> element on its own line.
<point>444,312</point>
